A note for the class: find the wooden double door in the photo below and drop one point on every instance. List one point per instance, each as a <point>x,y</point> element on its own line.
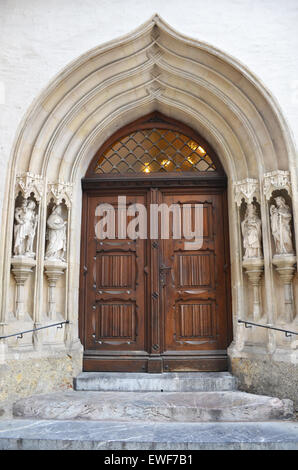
<point>155,304</point>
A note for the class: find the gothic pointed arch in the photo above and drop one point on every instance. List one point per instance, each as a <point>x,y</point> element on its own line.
<point>152,69</point>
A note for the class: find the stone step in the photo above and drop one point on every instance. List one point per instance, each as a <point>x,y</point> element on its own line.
<point>23,434</point>
<point>167,382</point>
<point>154,406</point>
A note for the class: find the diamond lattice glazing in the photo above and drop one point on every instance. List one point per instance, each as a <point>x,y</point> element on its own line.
<point>155,150</point>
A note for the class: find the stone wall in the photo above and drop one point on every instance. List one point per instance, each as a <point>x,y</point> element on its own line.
<point>267,377</point>
<point>34,375</point>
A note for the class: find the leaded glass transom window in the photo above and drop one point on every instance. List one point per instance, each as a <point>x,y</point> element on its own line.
<point>155,150</point>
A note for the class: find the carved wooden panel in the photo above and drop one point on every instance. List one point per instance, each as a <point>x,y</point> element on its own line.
<point>115,298</point>
<point>195,320</point>
<point>194,291</point>
<point>191,214</point>
<point>194,269</point>
<point>116,270</point>
<point>116,321</point>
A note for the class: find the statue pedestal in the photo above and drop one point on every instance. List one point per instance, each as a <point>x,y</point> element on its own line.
<point>21,269</point>
<point>285,266</point>
<point>53,270</point>
<point>254,269</point>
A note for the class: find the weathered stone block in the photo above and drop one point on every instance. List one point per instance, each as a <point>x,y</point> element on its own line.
<point>279,379</point>
<point>154,406</point>
<point>23,378</point>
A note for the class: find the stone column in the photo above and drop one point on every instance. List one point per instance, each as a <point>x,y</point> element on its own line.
<point>21,268</point>
<point>285,266</point>
<point>53,270</point>
<point>254,268</point>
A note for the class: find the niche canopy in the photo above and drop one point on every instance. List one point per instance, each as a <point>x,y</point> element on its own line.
<point>155,144</point>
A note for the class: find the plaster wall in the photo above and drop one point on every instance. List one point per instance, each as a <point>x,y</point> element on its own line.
<point>40,37</point>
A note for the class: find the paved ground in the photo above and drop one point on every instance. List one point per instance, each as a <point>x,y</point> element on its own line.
<point>26,434</point>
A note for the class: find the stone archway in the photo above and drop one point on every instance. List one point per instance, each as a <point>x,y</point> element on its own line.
<point>152,68</point>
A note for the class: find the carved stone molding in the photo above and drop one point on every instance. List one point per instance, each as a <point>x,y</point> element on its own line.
<point>60,191</point>
<point>155,72</point>
<point>29,183</point>
<point>155,33</point>
<point>154,53</point>
<point>247,189</point>
<point>154,90</point>
<point>276,180</point>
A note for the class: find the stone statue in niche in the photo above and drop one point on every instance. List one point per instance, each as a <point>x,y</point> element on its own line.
<point>56,235</point>
<point>252,233</point>
<point>281,217</point>
<point>25,228</point>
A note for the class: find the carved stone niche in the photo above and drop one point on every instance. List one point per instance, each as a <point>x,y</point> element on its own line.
<point>29,191</point>
<point>277,189</point>
<point>281,223</point>
<point>25,225</point>
<point>284,258</point>
<point>60,192</point>
<point>59,200</point>
<point>277,180</point>
<point>251,229</point>
<point>23,259</point>
<point>56,248</point>
<point>56,231</point>
<point>246,190</point>
<point>246,198</point>
<point>29,184</point>
<point>252,261</point>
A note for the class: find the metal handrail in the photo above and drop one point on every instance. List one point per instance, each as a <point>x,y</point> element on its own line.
<point>21,333</point>
<point>287,332</point>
